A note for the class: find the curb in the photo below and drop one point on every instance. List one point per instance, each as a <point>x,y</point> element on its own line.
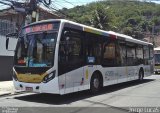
<point>11,93</point>
<point>5,94</point>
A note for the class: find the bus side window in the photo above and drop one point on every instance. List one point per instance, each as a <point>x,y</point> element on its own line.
<point>93,48</point>
<point>109,54</point>
<point>121,53</point>
<point>139,55</point>
<point>151,52</point>
<point>146,54</point>
<point>71,50</point>
<point>131,54</point>
<point>109,51</point>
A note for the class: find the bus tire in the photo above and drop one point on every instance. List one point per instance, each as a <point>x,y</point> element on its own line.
<point>96,83</point>
<point>141,74</point>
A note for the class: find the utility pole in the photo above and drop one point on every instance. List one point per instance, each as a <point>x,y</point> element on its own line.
<point>31,11</point>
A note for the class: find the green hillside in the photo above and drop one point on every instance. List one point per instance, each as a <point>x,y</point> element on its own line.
<point>133,18</point>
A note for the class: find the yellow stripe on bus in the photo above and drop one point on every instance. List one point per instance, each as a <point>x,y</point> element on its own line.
<point>31,78</point>
<point>87,74</point>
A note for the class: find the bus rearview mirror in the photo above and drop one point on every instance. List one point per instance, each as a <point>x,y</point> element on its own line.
<point>11,43</point>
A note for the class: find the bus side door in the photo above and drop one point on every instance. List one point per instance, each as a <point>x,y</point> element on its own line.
<point>71,57</point>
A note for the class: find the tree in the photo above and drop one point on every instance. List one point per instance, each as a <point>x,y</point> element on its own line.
<point>132,18</point>
<point>101,17</point>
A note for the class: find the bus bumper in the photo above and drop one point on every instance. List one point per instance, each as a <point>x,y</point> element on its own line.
<point>50,87</point>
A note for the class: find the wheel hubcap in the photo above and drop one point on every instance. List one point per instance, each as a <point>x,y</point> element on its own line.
<point>96,83</point>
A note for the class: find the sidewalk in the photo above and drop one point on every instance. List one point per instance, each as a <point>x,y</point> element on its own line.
<point>6,87</point>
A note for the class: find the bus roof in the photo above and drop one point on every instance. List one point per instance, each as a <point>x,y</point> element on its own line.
<point>95,30</point>
<point>130,39</point>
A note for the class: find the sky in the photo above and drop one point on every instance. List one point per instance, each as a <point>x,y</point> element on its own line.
<point>59,4</point>
<point>71,3</point>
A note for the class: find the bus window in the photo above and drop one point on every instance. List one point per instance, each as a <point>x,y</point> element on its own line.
<point>146,54</point>
<point>21,52</point>
<point>109,54</point>
<point>70,50</point>
<point>109,51</point>
<point>93,48</point>
<point>131,54</point>
<point>139,54</point>
<point>121,53</point>
<point>36,50</point>
<point>151,52</point>
<point>157,59</point>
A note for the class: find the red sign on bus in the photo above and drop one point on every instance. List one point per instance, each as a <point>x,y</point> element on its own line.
<point>44,27</point>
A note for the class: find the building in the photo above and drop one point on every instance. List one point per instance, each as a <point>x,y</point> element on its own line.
<point>10,22</point>
<point>13,16</point>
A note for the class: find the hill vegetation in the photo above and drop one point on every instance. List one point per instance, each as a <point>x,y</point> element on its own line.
<point>133,18</point>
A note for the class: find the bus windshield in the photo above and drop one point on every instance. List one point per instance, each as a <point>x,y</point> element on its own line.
<point>36,50</point>
<point>157,59</point>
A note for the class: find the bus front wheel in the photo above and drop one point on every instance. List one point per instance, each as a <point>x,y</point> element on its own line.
<point>95,84</point>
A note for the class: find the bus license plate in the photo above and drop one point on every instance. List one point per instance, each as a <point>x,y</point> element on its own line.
<point>30,89</point>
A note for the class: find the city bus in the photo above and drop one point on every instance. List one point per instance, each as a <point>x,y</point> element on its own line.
<point>59,56</point>
<point>157,60</point>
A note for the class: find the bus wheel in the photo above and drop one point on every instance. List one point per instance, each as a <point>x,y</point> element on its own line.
<point>95,83</point>
<point>141,74</point>
<point>156,72</point>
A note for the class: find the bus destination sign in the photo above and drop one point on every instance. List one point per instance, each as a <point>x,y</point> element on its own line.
<point>40,27</point>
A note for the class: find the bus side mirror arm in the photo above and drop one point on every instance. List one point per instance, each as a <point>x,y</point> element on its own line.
<point>7,42</point>
<point>8,36</point>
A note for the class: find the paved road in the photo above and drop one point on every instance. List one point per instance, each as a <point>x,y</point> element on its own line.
<point>116,98</point>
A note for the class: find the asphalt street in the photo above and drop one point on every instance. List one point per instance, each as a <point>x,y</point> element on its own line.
<point>120,98</point>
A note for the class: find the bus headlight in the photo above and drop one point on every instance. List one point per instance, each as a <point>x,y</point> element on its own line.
<point>49,77</point>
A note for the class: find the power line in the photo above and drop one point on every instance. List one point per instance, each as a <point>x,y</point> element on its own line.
<point>59,11</point>
<point>4,3</point>
<point>68,2</point>
<point>59,5</point>
<point>54,8</point>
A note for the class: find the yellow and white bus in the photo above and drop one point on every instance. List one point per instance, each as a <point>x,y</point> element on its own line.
<point>59,56</point>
